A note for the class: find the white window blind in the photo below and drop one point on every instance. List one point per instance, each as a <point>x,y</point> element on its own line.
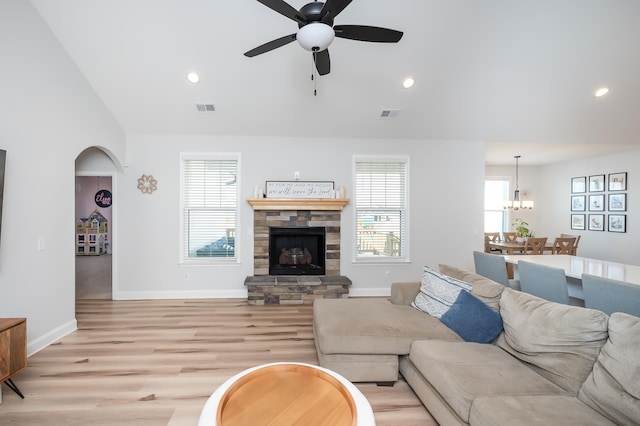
<point>381,209</point>
<point>210,208</point>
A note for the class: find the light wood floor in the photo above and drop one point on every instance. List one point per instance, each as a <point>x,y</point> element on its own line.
<point>156,363</point>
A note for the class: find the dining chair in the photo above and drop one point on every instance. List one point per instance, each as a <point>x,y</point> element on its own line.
<point>490,237</point>
<point>609,295</point>
<point>563,245</point>
<point>575,246</point>
<point>509,237</point>
<point>535,245</point>
<point>543,281</point>
<point>493,267</point>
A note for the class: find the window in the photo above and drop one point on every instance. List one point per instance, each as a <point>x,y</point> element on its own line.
<point>209,207</point>
<point>381,209</point>
<point>496,191</point>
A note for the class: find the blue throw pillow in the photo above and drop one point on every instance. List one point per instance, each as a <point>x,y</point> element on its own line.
<point>472,319</point>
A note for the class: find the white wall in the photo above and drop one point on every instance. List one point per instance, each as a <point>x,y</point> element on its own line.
<point>555,211</point>
<point>48,115</point>
<point>550,188</point>
<point>440,230</point>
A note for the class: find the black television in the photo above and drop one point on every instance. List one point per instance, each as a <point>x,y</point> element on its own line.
<point>3,160</point>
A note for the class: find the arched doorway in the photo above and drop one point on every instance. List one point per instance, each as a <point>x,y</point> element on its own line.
<point>94,225</point>
<point>93,236</point>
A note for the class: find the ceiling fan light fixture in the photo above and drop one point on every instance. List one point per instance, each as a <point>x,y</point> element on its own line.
<point>315,37</point>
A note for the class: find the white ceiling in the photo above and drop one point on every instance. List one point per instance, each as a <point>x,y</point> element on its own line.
<point>517,74</point>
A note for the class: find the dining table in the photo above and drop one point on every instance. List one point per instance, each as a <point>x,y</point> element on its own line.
<point>510,248</point>
<point>575,266</point>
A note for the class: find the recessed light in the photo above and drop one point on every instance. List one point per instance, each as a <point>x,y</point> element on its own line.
<point>408,82</point>
<point>193,77</point>
<point>602,91</point>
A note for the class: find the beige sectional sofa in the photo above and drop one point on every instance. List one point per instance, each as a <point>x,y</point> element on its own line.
<point>552,364</point>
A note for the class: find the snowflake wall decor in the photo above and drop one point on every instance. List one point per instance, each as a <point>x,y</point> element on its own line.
<point>147,184</point>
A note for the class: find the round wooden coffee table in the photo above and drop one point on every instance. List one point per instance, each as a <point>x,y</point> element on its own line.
<point>287,394</point>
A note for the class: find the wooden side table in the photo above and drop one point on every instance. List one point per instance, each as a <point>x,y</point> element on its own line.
<point>13,350</point>
<point>239,387</point>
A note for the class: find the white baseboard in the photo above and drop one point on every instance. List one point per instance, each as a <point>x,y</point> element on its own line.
<point>202,294</point>
<point>370,292</point>
<point>51,337</point>
<point>227,294</point>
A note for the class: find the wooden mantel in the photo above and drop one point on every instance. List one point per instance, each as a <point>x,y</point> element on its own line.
<point>298,203</point>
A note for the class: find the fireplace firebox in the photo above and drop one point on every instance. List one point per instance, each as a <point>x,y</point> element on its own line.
<point>297,250</point>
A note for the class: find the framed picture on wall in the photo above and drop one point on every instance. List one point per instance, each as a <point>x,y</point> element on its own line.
<point>577,221</point>
<point>596,183</point>
<point>596,203</point>
<point>617,223</point>
<point>578,185</point>
<point>618,181</point>
<point>596,222</point>
<point>578,203</point>
<point>617,202</point>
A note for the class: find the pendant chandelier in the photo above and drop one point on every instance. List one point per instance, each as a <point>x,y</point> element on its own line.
<point>516,203</point>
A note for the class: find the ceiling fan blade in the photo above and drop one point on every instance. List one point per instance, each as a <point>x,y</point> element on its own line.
<point>367,33</point>
<point>285,9</point>
<point>323,63</point>
<point>333,8</point>
<point>273,44</point>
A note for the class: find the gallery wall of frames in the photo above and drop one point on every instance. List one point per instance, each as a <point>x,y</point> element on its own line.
<point>599,202</point>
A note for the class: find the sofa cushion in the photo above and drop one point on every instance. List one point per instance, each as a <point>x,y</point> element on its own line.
<point>404,293</point>
<point>372,326</point>
<point>483,288</point>
<point>473,320</point>
<point>362,368</point>
<point>538,410</point>
<point>560,342</point>
<point>462,371</point>
<point>613,387</point>
<point>438,292</point>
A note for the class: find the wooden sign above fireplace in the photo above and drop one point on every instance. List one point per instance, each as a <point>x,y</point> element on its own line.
<point>299,189</point>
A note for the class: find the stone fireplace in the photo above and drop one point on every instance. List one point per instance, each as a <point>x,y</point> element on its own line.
<point>286,272</point>
<point>264,220</point>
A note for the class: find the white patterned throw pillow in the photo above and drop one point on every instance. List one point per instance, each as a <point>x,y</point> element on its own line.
<point>438,292</point>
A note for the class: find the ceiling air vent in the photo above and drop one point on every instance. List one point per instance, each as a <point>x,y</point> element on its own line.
<point>389,113</point>
<point>205,107</point>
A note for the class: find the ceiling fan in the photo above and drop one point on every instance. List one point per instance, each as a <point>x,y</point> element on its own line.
<point>316,30</point>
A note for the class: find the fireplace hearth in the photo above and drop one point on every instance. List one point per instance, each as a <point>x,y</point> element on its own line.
<point>297,250</point>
